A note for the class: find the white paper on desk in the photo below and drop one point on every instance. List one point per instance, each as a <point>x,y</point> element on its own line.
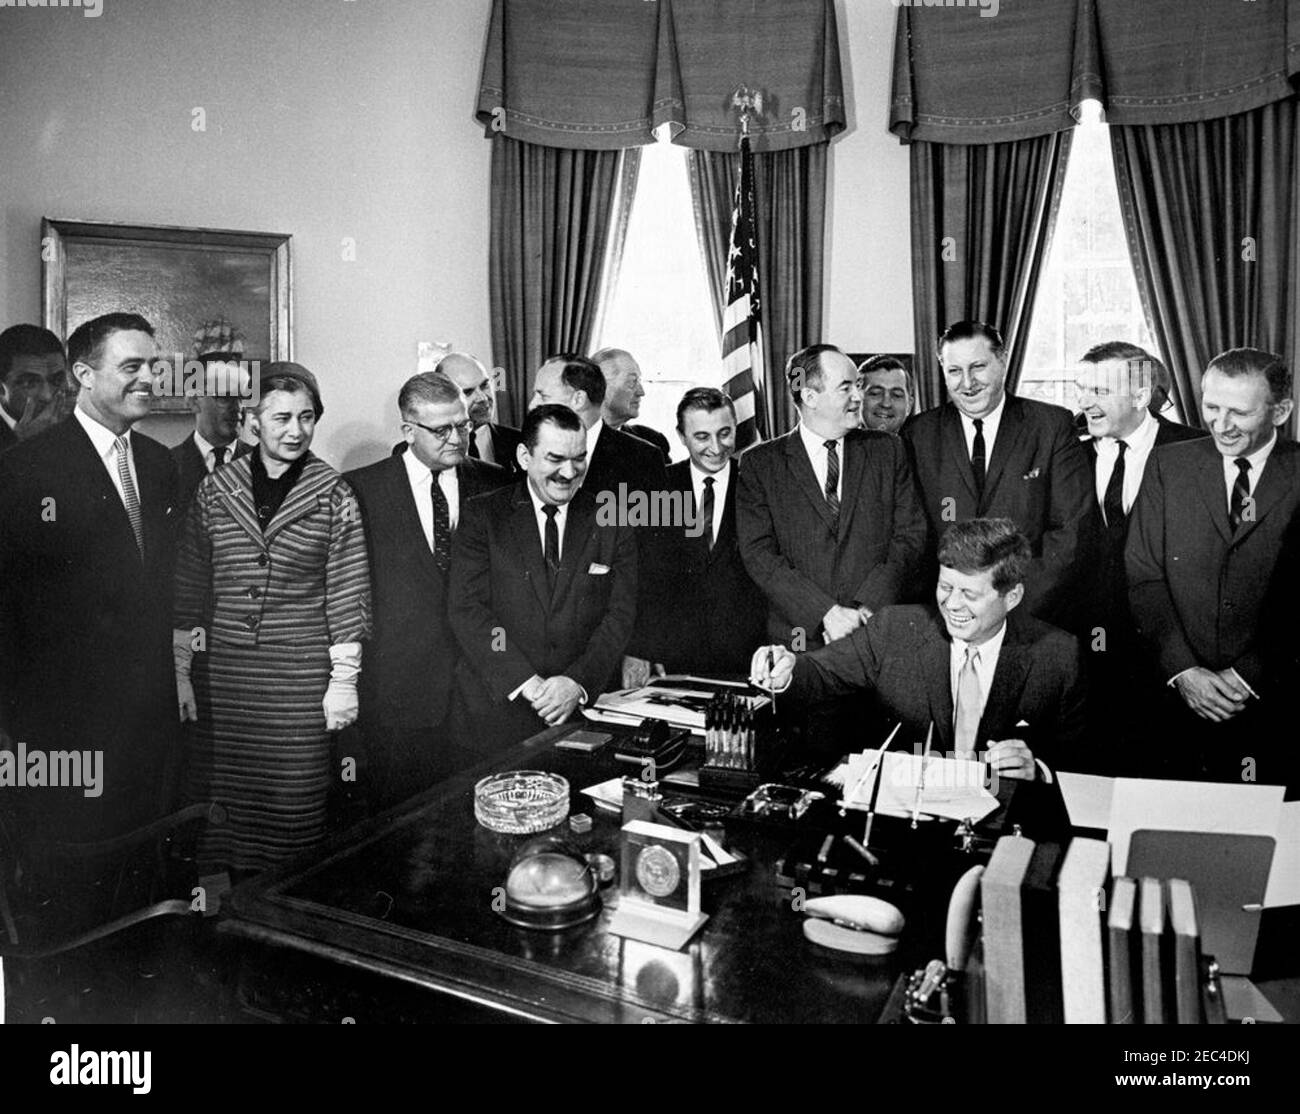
<point>954,788</point>
<point>1087,799</point>
<point>1284,878</point>
<point>1189,806</point>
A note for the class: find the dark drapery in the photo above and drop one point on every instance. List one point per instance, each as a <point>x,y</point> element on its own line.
<point>790,197</point>
<point>1209,210</point>
<point>982,219</point>
<point>554,215</point>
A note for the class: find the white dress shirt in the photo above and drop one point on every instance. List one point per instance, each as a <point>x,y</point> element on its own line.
<point>815,447</point>
<point>1257,461</point>
<point>593,435</point>
<point>105,442</point>
<point>421,480</point>
<point>12,423</point>
<point>1140,443</point>
<point>984,668</point>
<point>720,482</point>
<point>991,421</point>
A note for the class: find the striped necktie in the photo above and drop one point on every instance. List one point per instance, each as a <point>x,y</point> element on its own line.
<point>833,481</point>
<point>129,496</point>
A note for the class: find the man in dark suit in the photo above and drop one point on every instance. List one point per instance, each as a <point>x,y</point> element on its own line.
<point>699,611</point>
<point>613,457</point>
<point>85,595</point>
<point>986,454</point>
<point>1203,547</point>
<point>1116,381</point>
<point>543,596</point>
<point>990,680</point>
<point>216,423</point>
<point>411,505</point>
<point>623,395</point>
<point>829,523</point>
<point>490,442</point>
<point>33,382</point>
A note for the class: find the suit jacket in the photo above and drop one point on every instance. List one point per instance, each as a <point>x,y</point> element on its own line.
<point>8,438</point>
<point>699,611</point>
<point>409,664</point>
<point>1196,587</point>
<point>903,655</point>
<point>790,550</point>
<point>85,622</point>
<point>653,436</point>
<point>510,627</point>
<point>621,458</point>
<point>192,469</point>
<point>505,440</point>
<point>1037,476</point>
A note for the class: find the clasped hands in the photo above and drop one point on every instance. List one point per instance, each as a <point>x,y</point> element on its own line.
<point>552,698</point>
<point>1216,696</point>
<point>840,622</point>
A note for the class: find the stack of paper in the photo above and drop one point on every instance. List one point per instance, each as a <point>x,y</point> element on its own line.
<point>949,788</point>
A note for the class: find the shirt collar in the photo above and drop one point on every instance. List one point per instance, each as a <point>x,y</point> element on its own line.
<point>100,435</point>
<point>538,504</point>
<point>813,442</point>
<point>12,423</point>
<point>988,649</point>
<point>991,420</point>
<point>206,448</point>
<point>417,472</point>
<point>698,476</point>
<point>1257,459</point>
<point>1141,440</point>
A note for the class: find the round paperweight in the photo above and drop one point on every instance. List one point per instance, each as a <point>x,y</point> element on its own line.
<point>521,802</point>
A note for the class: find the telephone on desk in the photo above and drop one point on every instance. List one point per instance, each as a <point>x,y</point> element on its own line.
<point>654,746</point>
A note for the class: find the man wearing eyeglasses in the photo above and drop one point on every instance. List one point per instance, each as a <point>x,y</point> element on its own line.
<point>411,505</point>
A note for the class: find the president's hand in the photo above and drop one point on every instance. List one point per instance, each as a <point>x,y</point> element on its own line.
<point>557,698</point>
<point>1012,758</point>
<point>772,668</point>
<point>1210,695</point>
<point>839,622</point>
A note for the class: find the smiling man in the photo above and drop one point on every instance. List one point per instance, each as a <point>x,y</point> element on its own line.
<point>542,596</point>
<point>993,682</point>
<point>85,589</point>
<point>887,393</point>
<point>1203,547</point>
<point>985,454</point>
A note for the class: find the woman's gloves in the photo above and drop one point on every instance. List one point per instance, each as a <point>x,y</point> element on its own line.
<point>340,703</point>
<point>183,659</point>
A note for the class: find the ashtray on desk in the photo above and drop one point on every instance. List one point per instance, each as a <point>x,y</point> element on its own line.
<point>521,802</point>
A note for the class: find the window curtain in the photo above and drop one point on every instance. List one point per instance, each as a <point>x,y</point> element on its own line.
<point>982,220</point>
<point>790,198</point>
<point>557,223</point>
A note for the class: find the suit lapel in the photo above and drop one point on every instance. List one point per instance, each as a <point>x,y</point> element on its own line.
<point>936,670</point>
<point>728,525</point>
<point>398,485</point>
<point>523,525</point>
<point>1008,681</point>
<point>578,523</point>
<point>1278,479</point>
<point>1005,445</point>
<point>952,441</point>
<point>855,460</point>
<point>801,471</point>
<point>1214,493</point>
<point>235,485</point>
<point>101,488</point>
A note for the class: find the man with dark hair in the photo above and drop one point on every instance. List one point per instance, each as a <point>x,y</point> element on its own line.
<point>85,592</point>
<point>699,610</point>
<point>412,505</point>
<point>985,454</point>
<point>543,597</point>
<point>613,457</point>
<point>1207,531</point>
<point>990,680</point>
<point>216,422</point>
<point>490,441</point>
<point>888,393</point>
<point>623,395</point>
<point>33,382</point>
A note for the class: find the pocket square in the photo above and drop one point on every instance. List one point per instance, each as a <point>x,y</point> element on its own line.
<point>1033,475</point>
<point>597,569</point>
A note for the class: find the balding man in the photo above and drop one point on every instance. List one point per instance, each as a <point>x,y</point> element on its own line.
<point>490,441</point>
<point>623,395</point>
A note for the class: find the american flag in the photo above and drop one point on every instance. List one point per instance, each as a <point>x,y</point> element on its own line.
<point>742,320</point>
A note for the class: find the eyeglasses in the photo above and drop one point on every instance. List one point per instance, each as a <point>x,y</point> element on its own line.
<point>444,432</point>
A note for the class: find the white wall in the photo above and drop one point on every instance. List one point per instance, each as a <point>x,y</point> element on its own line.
<point>325,120</point>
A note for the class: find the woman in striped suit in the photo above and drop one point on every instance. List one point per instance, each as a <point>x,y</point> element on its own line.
<point>272,602</point>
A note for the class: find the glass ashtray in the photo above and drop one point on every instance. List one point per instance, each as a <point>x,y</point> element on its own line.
<point>521,801</point>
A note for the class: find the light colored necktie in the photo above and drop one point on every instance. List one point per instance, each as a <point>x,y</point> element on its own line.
<point>966,721</point>
<point>129,496</point>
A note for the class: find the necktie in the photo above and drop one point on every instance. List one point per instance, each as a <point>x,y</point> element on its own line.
<point>551,550</point>
<point>833,482</point>
<point>978,456</point>
<point>1240,493</point>
<point>129,496</point>
<point>441,526</point>
<point>966,720</point>
<point>473,445</point>
<point>1112,503</point>
<point>706,510</point>
<point>218,456</point>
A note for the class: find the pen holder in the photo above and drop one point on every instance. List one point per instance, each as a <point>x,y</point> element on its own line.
<point>740,751</point>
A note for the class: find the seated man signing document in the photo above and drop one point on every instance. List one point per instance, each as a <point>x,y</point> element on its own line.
<point>995,683</point>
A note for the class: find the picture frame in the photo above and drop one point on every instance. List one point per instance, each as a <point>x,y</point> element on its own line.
<point>202,289</point>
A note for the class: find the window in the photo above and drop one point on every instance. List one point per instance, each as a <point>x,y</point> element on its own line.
<point>1087,293</point>
<point>660,309</point>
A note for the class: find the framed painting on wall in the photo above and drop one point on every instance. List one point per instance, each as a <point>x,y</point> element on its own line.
<point>202,289</point>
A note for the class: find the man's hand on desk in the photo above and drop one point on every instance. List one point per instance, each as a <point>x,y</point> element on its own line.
<point>840,622</point>
<point>772,668</point>
<point>1213,696</point>
<point>1012,758</point>
<point>556,698</point>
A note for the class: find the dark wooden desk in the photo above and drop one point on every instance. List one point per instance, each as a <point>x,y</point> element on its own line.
<point>404,904</point>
